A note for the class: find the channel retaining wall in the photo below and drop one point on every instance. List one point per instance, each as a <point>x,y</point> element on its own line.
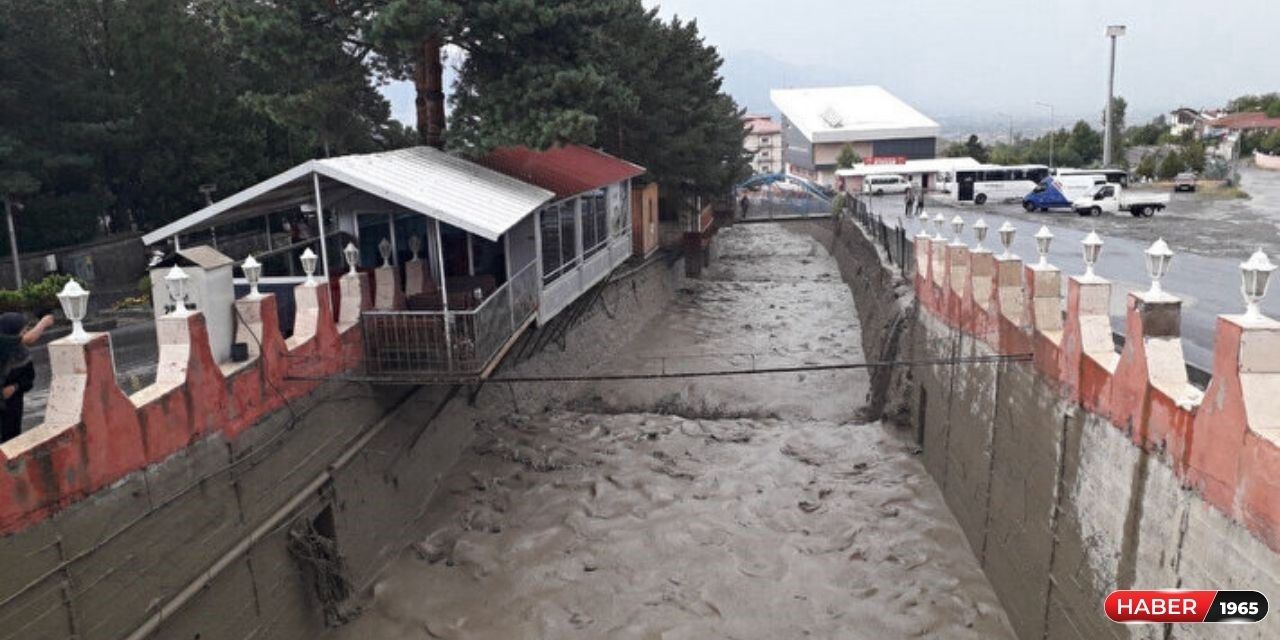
<point>1082,470</point>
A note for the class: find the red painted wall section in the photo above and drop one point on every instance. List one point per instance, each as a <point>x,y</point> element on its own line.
<point>1011,307</point>
<point>1151,397</point>
<point>91,445</point>
<point>1044,315</point>
<point>980,299</point>
<point>1233,435</point>
<point>1224,443</point>
<point>957,280</point>
<point>94,434</point>
<point>1088,352</point>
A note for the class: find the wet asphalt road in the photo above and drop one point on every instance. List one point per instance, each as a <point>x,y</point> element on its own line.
<point>1210,239</point>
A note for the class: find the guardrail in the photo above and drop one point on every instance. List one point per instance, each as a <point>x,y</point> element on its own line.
<point>893,238</point>
<point>413,344</point>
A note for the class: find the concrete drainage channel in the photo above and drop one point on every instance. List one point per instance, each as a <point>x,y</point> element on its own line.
<point>733,506</point>
<point>1058,505</point>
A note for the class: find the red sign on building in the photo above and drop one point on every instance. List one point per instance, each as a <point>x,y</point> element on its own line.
<point>886,160</point>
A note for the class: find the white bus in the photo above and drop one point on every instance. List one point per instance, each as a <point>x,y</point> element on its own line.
<point>995,182</point>
<point>1114,176</point>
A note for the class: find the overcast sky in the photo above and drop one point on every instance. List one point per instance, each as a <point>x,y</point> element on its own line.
<point>961,60</point>
<point>967,57</point>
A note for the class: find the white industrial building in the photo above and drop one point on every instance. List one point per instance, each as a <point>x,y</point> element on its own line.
<point>818,122</point>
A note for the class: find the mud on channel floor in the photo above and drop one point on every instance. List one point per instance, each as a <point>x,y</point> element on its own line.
<point>735,507</point>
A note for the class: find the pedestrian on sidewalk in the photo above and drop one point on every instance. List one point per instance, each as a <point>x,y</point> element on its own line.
<point>19,372</point>
<point>908,199</point>
<point>745,204</point>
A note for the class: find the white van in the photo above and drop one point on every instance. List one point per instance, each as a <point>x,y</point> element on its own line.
<point>882,184</point>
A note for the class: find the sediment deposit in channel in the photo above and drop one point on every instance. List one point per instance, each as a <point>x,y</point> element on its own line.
<point>739,507</point>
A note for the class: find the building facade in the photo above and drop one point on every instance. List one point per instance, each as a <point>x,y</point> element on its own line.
<point>764,141</point>
<point>818,123</point>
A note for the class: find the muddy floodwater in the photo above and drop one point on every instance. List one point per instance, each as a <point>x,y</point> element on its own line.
<point>727,507</point>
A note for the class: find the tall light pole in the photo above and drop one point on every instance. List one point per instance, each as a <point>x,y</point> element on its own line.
<point>13,242</point>
<point>1051,131</point>
<point>1113,31</point>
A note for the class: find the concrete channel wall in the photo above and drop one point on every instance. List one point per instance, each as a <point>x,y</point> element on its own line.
<point>1064,494</point>
<point>250,503</point>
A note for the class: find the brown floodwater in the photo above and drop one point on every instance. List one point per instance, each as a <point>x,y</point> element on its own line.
<point>729,507</point>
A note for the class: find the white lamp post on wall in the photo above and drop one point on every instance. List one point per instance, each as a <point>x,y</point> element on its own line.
<point>1091,246</point>
<point>75,305</point>
<point>1158,257</point>
<point>1044,240</point>
<point>1255,276</point>
<point>352,255</point>
<point>980,232</point>
<point>309,266</point>
<point>1007,232</point>
<point>176,282</point>
<point>253,273</point>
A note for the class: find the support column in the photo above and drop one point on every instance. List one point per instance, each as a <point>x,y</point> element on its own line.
<point>1044,313</point>
<point>1089,355</point>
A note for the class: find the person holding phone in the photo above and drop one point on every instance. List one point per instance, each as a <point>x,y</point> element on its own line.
<point>19,373</point>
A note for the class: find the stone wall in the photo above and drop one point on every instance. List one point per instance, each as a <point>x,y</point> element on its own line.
<point>1080,470</point>
<point>181,511</point>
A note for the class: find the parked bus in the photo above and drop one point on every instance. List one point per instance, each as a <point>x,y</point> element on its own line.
<point>1058,192</point>
<point>1114,176</point>
<point>994,182</point>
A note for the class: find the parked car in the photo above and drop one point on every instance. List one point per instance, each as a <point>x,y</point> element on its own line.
<point>1112,198</point>
<point>1184,182</point>
<point>880,185</point>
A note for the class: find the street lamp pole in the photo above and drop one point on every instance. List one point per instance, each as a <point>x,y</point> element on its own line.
<point>1051,131</point>
<point>13,243</point>
<point>1113,31</point>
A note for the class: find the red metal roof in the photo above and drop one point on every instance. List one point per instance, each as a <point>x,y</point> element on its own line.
<point>1246,120</point>
<point>762,125</point>
<point>567,170</point>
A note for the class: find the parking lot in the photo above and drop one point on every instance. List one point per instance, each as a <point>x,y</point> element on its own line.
<point>1210,237</point>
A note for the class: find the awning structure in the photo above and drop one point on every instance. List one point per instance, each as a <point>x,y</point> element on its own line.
<point>421,179</point>
<point>567,170</point>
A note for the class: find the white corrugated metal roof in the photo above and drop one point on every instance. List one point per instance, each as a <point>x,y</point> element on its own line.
<point>422,179</point>
<point>848,114</point>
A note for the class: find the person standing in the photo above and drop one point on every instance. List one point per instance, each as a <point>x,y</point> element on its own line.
<point>744,204</point>
<point>908,199</point>
<point>18,371</point>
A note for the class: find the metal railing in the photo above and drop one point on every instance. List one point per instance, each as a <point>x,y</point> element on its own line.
<point>786,207</point>
<point>891,236</point>
<point>416,344</point>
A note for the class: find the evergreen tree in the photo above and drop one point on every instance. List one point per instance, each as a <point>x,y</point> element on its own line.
<point>1171,166</point>
<point>848,157</point>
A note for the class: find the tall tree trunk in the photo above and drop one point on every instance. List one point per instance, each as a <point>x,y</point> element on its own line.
<point>429,81</point>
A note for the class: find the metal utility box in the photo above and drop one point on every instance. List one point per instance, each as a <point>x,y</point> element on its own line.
<point>209,290</point>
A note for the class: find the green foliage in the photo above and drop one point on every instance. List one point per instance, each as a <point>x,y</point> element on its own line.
<point>848,157</point>
<point>1270,143</point>
<point>1147,134</point>
<point>122,108</point>
<point>1267,102</point>
<point>971,148</point>
<point>34,297</point>
<point>1170,166</point>
<point>1079,147</point>
<point>1147,166</point>
<point>1118,108</point>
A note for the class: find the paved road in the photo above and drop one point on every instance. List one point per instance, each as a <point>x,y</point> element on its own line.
<point>1210,239</point>
<point>135,350</point>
